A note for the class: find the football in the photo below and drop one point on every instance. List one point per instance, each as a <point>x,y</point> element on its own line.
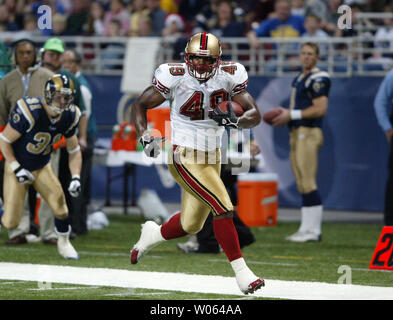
<point>237,108</point>
<point>271,114</point>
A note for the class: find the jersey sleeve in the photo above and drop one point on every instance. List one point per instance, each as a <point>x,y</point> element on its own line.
<point>21,118</point>
<point>75,116</point>
<point>319,85</point>
<point>238,77</point>
<point>166,76</point>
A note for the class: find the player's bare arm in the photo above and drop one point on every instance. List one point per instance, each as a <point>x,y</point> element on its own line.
<point>74,155</point>
<point>252,116</point>
<point>149,99</point>
<point>82,128</point>
<point>75,165</point>
<point>317,110</point>
<point>8,136</point>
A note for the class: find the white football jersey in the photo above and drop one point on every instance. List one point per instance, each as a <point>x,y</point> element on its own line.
<point>191,101</point>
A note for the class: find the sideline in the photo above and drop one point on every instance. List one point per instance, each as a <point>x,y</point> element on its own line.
<point>188,282</point>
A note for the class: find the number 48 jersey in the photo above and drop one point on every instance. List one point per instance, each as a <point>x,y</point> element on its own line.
<point>191,101</point>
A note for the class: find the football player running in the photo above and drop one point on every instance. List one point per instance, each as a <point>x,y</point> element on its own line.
<point>194,90</point>
<point>308,106</point>
<point>34,125</point>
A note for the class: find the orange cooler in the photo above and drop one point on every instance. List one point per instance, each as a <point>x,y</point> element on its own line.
<point>258,199</point>
<point>159,116</point>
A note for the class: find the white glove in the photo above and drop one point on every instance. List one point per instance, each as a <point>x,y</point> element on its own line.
<point>24,176</point>
<point>151,146</point>
<point>75,187</point>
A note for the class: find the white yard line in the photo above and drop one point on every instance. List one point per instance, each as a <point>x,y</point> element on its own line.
<point>188,282</point>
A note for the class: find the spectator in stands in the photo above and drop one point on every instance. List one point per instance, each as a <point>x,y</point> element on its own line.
<point>29,28</point>
<point>95,19</point>
<point>223,24</point>
<point>138,9</point>
<point>59,25</point>
<point>7,20</point>
<point>174,26</point>
<point>298,7</point>
<point>157,16</point>
<point>313,27</point>
<point>284,25</point>
<point>330,17</point>
<point>76,21</point>
<point>145,28</point>
<point>113,50</point>
<point>72,61</point>
<point>258,11</point>
<point>318,7</point>
<point>313,30</point>
<point>384,37</point>
<point>25,80</point>
<point>119,13</point>
<point>382,57</point>
<point>205,14</point>
<point>189,9</point>
<point>15,17</point>
<point>383,110</point>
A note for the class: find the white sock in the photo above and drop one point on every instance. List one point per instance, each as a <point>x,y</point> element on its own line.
<point>311,219</point>
<point>238,265</point>
<point>315,213</point>
<point>305,222</point>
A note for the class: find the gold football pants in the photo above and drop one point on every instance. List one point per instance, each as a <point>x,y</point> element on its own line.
<point>305,143</point>
<point>198,174</point>
<point>47,185</point>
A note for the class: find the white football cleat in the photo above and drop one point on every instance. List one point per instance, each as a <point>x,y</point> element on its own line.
<point>64,246</point>
<point>248,282</point>
<point>306,236</point>
<point>190,246</point>
<point>150,237</point>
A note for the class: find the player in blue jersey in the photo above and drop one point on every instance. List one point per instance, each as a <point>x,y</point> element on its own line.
<point>34,125</point>
<point>308,106</point>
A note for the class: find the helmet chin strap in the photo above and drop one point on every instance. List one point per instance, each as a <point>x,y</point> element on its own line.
<point>55,110</point>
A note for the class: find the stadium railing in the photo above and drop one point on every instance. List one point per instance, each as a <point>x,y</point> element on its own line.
<point>341,57</point>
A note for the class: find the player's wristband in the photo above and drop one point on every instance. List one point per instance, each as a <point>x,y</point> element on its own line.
<point>3,137</point>
<point>76,177</point>
<point>74,150</point>
<point>296,114</point>
<point>15,165</point>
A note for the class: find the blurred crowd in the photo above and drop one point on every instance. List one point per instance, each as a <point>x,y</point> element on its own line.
<point>176,18</point>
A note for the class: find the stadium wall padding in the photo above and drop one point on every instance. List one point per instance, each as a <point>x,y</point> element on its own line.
<point>352,162</point>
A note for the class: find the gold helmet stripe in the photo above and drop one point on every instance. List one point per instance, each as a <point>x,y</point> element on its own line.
<point>58,82</point>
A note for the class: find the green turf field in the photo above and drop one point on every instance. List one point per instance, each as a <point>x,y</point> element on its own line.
<point>271,257</point>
